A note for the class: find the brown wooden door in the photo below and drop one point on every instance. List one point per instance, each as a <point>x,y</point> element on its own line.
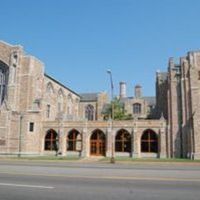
<point>97,144</point>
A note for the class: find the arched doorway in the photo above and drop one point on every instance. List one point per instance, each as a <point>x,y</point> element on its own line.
<point>97,143</point>
<point>149,142</point>
<point>51,140</point>
<point>123,141</point>
<point>74,141</point>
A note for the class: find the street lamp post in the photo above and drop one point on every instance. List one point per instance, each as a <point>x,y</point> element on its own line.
<point>112,159</point>
<point>20,135</point>
<point>58,139</point>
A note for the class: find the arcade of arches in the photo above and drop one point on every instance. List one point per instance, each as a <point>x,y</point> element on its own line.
<point>123,142</point>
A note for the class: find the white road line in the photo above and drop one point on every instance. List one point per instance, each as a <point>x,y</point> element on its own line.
<point>27,186</point>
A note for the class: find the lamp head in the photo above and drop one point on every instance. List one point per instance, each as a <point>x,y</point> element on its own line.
<point>108,71</point>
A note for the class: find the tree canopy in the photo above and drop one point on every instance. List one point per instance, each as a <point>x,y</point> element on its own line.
<point>119,113</point>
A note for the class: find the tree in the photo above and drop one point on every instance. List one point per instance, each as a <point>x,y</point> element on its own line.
<point>119,113</point>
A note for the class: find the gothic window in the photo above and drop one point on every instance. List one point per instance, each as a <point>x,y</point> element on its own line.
<point>123,141</point>
<point>74,141</point>
<point>149,142</point>
<point>51,140</point>
<point>89,112</point>
<point>3,81</point>
<point>136,108</point>
<point>49,88</point>
<point>69,106</point>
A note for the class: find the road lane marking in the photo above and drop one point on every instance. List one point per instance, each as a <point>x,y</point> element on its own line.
<point>26,186</point>
<point>106,177</point>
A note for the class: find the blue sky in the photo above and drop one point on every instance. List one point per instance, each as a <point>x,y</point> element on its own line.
<point>78,40</point>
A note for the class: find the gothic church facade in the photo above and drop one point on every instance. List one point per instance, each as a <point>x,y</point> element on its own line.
<point>41,116</point>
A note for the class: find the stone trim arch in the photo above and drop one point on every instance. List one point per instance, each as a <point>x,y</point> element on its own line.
<point>61,93</point>
<point>91,131</point>
<point>50,88</point>
<point>129,130</point>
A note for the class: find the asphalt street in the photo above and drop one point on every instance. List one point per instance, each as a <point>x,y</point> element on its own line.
<point>94,181</point>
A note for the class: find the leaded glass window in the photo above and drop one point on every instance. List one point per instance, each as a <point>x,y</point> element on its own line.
<point>3,81</point>
<point>136,108</point>
<point>89,112</point>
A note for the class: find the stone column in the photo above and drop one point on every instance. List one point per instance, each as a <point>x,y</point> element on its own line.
<point>132,143</point>
<point>63,143</point>
<point>110,142</point>
<point>85,144</point>
<point>42,144</point>
<point>162,143</point>
<point>136,144</point>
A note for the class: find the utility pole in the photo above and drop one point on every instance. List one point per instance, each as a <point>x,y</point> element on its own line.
<point>112,159</point>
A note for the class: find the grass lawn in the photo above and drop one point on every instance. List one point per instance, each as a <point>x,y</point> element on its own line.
<point>117,159</point>
<point>128,159</point>
<point>45,158</point>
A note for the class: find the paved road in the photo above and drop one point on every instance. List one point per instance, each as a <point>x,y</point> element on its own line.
<point>94,181</point>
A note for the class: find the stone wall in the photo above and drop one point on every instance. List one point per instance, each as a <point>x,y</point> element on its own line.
<point>128,105</point>
<point>55,93</point>
<point>161,95</point>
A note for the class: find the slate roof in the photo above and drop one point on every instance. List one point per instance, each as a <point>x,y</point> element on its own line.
<point>59,83</point>
<point>89,96</point>
<point>150,99</point>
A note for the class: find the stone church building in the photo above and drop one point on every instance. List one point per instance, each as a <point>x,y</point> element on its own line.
<point>41,116</point>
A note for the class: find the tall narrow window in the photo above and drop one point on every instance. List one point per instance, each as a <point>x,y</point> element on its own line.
<point>60,101</point>
<point>59,107</point>
<point>69,104</point>
<point>136,108</point>
<point>31,126</point>
<point>3,81</point>
<point>48,111</point>
<point>89,112</point>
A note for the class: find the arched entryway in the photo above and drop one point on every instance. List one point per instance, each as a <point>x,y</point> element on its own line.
<point>123,141</point>
<point>98,143</point>
<point>51,140</point>
<point>74,141</point>
<point>149,142</point>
